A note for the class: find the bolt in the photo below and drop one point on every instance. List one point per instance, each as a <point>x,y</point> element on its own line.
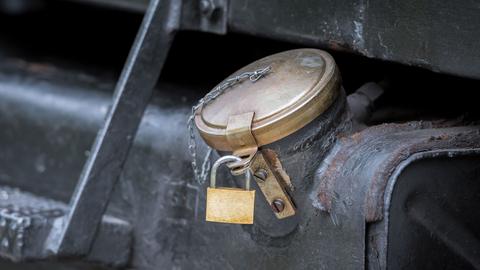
<point>207,7</point>
<point>278,205</point>
<point>261,174</point>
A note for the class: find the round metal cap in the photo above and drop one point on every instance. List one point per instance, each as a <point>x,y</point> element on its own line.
<point>300,86</point>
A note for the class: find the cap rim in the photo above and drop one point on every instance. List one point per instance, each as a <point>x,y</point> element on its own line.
<point>289,120</point>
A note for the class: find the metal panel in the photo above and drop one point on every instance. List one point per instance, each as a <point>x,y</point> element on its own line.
<point>437,35</point>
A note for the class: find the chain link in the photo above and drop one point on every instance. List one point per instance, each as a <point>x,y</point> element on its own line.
<point>201,174</point>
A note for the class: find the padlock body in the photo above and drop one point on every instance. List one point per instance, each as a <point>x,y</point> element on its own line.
<point>230,205</point>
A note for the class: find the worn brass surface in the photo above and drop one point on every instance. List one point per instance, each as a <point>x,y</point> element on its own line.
<point>241,140</point>
<point>301,85</point>
<point>274,185</point>
<point>230,205</point>
<point>275,180</point>
<point>239,134</point>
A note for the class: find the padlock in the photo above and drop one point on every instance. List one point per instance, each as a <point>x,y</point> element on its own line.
<point>227,204</point>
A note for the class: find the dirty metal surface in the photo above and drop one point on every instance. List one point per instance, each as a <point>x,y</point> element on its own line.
<point>155,194</point>
<point>370,162</point>
<point>50,118</point>
<point>74,235</point>
<point>371,156</point>
<point>24,223</point>
<point>436,35</point>
<point>26,219</point>
<point>198,15</point>
<point>64,125</point>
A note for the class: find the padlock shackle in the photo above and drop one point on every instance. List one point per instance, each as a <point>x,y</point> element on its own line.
<point>227,159</point>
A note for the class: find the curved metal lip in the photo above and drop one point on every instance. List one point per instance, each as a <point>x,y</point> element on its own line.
<point>287,120</point>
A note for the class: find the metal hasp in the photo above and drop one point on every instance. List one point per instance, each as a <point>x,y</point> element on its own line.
<point>110,149</point>
<point>264,164</point>
<point>274,182</point>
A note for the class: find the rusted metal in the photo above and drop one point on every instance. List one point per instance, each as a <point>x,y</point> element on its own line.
<point>274,186</point>
<point>370,156</point>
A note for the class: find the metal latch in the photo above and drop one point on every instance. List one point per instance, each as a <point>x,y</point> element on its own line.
<point>264,164</point>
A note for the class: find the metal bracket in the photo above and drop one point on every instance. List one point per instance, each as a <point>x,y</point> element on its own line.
<point>273,181</point>
<point>265,165</point>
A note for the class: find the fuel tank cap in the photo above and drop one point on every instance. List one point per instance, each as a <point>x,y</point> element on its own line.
<point>300,85</point>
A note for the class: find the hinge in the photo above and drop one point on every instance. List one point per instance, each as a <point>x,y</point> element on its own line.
<point>269,174</point>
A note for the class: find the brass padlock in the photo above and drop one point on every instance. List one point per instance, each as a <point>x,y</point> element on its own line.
<point>229,205</point>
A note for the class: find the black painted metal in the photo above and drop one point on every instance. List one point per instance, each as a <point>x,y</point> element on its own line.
<point>26,220</point>
<point>156,197</point>
<point>111,147</point>
<point>392,195</point>
<point>436,35</point>
<point>446,227</point>
<point>369,161</point>
<point>431,215</point>
<point>155,194</point>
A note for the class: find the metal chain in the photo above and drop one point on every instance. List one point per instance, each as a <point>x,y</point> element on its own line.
<point>201,174</point>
